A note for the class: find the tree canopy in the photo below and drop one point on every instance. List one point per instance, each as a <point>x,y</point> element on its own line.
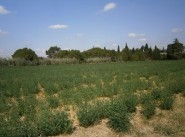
<point>175,50</point>
<point>25,53</point>
<point>145,52</point>
<point>52,50</point>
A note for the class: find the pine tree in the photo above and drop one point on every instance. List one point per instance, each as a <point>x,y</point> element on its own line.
<point>126,54</point>
<point>156,54</point>
<point>175,50</point>
<point>118,50</point>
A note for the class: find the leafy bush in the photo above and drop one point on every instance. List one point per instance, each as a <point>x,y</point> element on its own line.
<point>27,106</point>
<point>167,100</point>
<point>53,102</point>
<point>157,94</point>
<point>17,127</point>
<point>118,116</point>
<point>146,98</point>
<point>148,105</point>
<point>91,114</point>
<point>23,129</point>
<point>53,124</point>
<point>25,53</point>
<point>130,101</point>
<point>166,103</point>
<point>148,110</point>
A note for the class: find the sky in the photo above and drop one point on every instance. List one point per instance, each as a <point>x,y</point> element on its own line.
<point>83,24</point>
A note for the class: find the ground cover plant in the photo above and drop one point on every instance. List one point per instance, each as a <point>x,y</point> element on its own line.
<point>47,100</point>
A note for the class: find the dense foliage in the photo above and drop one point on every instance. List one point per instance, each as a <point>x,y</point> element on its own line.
<point>25,56</point>
<point>25,53</point>
<point>52,51</point>
<point>175,50</point>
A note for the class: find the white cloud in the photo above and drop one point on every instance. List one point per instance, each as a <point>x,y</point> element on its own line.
<point>58,26</point>
<point>132,35</point>
<point>176,30</point>
<point>3,10</point>
<point>2,32</point>
<point>135,35</point>
<point>143,39</point>
<point>109,6</point>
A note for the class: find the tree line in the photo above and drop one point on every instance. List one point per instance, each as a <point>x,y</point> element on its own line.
<point>174,51</point>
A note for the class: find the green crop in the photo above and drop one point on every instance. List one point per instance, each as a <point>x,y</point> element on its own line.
<point>96,91</point>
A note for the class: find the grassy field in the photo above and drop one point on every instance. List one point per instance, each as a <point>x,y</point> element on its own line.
<point>53,100</point>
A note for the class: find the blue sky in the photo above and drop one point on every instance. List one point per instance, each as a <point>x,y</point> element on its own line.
<point>82,24</point>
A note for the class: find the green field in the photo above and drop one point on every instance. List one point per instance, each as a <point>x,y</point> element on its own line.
<point>48,100</point>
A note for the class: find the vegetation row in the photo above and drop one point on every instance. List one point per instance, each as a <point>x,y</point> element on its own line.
<point>55,55</point>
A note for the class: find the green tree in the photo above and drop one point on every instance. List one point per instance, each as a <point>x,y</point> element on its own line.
<point>25,53</point>
<point>146,52</point>
<point>149,53</point>
<point>61,54</point>
<point>76,54</point>
<point>156,54</point>
<point>52,51</point>
<point>175,50</point>
<point>138,55</point>
<point>118,50</point>
<point>126,53</point>
<point>96,52</point>
<point>146,47</point>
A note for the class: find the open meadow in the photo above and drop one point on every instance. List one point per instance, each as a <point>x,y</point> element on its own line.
<point>61,99</point>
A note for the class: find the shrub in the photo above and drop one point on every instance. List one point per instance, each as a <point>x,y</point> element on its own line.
<point>98,60</point>
<point>24,129</point>
<point>157,94</point>
<point>118,116</point>
<point>25,53</point>
<point>167,100</point>
<point>26,107</point>
<point>130,101</point>
<point>148,105</point>
<point>91,114</point>
<point>148,110</point>
<point>166,103</point>
<point>176,86</point>
<point>146,98</point>
<point>14,126</point>
<point>50,124</point>
<point>53,102</point>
